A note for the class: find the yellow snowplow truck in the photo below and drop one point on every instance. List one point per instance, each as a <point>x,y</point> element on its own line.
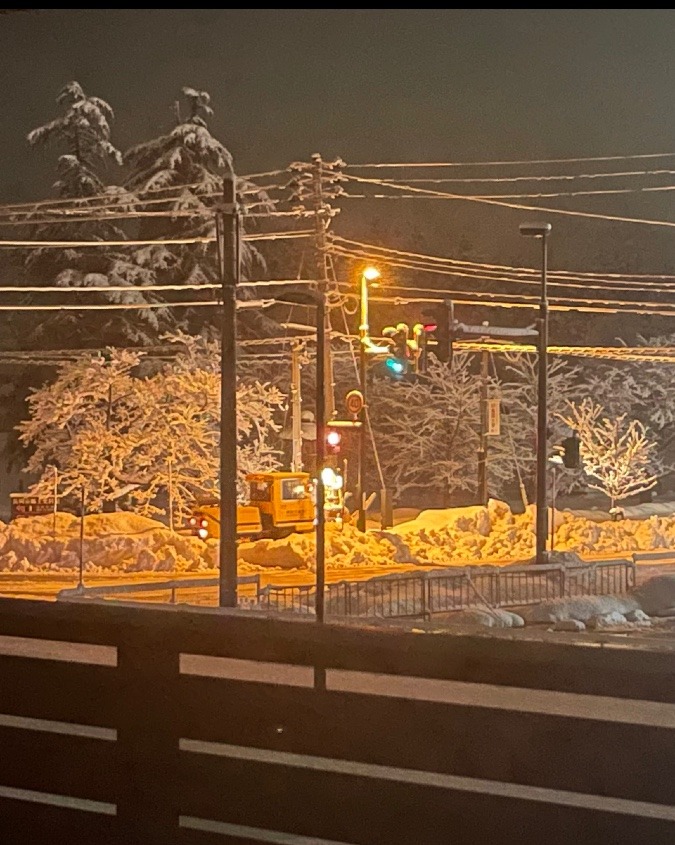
<point>279,504</point>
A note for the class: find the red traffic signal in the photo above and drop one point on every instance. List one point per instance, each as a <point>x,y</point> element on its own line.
<point>333,441</point>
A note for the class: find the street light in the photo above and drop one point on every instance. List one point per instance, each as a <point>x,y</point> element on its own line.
<point>369,275</point>
<point>541,230</point>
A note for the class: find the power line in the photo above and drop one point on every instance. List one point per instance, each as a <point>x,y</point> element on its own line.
<point>147,288</point>
<point>205,239</point>
<point>572,274</point>
<point>539,178</point>
<point>398,164</point>
<point>511,205</point>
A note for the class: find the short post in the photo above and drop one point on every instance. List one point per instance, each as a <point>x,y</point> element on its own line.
<point>80,583</point>
<point>56,498</point>
<point>170,467</point>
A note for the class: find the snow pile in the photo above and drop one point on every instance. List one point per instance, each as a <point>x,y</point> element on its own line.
<point>125,542</point>
<point>116,542</point>
<point>465,535</point>
<point>345,547</point>
<point>657,596</point>
<point>582,608</point>
<point>495,533</point>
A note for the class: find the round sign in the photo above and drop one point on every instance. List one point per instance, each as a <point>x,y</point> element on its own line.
<point>354,401</point>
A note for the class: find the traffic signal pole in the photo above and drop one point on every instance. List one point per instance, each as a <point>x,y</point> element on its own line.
<point>364,330</point>
<point>228,237</point>
<point>320,414</point>
<point>542,414</point>
<point>483,440</point>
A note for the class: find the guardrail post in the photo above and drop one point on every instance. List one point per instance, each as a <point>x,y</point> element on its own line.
<point>425,598</point>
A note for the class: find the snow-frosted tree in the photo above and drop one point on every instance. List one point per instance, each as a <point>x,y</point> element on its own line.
<point>512,455</point>
<point>127,437</point>
<point>84,132</point>
<point>426,431</point>
<point>645,390</point>
<point>185,166</point>
<point>617,455</point>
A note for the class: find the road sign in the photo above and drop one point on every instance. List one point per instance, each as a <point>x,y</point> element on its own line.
<point>354,402</point>
<point>494,417</point>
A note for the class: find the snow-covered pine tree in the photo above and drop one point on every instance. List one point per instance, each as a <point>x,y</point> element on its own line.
<point>83,131</point>
<point>185,168</point>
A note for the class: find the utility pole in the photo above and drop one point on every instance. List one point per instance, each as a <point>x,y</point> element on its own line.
<point>482,444</point>
<point>321,217</point>
<point>314,184</point>
<point>296,409</point>
<point>228,238</point>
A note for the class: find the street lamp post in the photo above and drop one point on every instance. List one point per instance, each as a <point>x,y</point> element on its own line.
<point>370,274</point>
<point>541,230</point>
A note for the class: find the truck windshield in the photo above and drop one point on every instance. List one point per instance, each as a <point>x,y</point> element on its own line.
<point>292,488</point>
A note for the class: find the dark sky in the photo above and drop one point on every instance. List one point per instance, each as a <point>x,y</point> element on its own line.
<point>373,86</point>
<point>369,85</point>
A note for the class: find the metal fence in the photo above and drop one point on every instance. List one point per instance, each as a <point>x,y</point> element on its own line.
<point>420,595</point>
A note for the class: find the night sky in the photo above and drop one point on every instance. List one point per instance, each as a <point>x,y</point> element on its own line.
<point>369,86</point>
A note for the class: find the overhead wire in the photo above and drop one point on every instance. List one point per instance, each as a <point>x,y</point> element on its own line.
<point>398,164</point>
<point>535,178</point>
<point>511,205</point>
<point>203,239</point>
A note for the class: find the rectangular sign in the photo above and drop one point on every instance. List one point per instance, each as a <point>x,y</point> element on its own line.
<point>493,417</point>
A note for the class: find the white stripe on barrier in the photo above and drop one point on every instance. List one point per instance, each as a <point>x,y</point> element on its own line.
<point>236,669</point>
<point>49,726</point>
<point>548,702</point>
<point>98,655</point>
<point>418,777</point>
<point>255,834</point>
<point>86,804</point>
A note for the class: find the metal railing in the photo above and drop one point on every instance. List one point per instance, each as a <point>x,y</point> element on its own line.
<point>410,595</point>
<point>420,595</point>
<point>108,591</point>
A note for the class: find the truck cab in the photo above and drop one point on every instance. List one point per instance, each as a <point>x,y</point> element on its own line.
<point>279,504</point>
<point>284,500</point>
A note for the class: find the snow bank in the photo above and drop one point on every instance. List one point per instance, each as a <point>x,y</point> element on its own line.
<point>657,596</point>
<point>125,542</point>
<point>583,608</point>
<point>116,542</point>
<point>346,547</point>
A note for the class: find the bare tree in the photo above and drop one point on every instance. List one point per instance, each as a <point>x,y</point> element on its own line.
<point>616,454</point>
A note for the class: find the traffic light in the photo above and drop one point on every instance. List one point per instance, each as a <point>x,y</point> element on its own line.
<point>397,363</point>
<point>571,453</point>
<point>421,334</point>
<point>438,321</point>
<point>333,440</point>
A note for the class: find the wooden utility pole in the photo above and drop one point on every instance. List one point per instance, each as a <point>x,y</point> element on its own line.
<point>228,238</point>
<point>321,216</point>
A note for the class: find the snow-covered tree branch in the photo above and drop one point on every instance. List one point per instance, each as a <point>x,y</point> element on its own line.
<point>617,455</point>
<point>125,437</point>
